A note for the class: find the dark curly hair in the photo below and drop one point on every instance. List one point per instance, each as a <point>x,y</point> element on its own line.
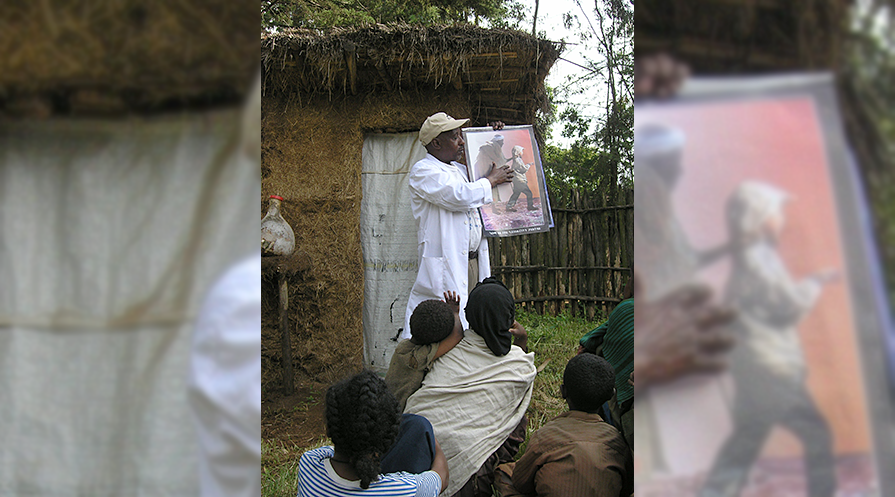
<point>589,381</point>
<point>432,321</point>
<point>362,420</point>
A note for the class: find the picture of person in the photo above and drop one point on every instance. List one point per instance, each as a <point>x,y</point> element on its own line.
<point>768,364</point>
<point>520,181</point>
<point>485,149</point>
<point>491,155</point>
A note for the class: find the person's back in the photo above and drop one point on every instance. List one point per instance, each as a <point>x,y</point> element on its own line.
<point>362,420</point>
<point>477,394</point>
<point>576,453</point>
<point>435,329</point>
<point>317,477</point>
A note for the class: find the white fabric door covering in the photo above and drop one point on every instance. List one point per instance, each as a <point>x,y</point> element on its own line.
<point>111,233</point>
<point>389,241</point>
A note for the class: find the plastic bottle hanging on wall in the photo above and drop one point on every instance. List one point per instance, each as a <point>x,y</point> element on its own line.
<point>277,237</point>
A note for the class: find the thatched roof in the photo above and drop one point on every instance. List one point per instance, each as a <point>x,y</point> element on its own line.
<point>121,56</point>
<point>501,71</point>
<point>722,36</point>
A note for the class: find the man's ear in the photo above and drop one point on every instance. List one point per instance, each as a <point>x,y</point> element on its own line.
<point>435,143</point>
<point>562,391</point>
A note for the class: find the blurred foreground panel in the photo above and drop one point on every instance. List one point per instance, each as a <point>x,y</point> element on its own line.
<point>747,186</point>
<point>129,182</point>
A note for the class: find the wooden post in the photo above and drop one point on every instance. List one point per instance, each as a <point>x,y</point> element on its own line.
<point>286,342</point>
<point>575,250</point>
<point>351,62</point>
<point>538,260</point>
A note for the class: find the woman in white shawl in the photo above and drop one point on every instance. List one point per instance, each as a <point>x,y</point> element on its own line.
<point>767,363</point>
<point>476,395</point>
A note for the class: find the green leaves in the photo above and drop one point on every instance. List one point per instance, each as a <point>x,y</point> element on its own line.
<point>321,14</point>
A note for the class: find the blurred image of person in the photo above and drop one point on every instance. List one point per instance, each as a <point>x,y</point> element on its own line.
<point>662,248</point>
<point>768,365</point>
<point>491,156</point>
<point>680,332</point>
<point>668,266</point>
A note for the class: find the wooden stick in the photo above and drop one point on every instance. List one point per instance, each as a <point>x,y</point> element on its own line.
<point>284,335</point>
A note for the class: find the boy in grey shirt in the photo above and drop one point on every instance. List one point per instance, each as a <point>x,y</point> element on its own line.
<point>434,330</point>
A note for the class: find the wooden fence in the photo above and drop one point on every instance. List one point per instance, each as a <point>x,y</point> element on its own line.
<point>581,265</point>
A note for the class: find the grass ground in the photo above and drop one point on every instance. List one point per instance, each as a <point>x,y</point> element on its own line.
<point>554,340</point>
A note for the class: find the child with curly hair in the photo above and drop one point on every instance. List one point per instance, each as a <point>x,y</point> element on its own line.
<point>435,329</point>
<point>576,453</point>
<point>363,422</point>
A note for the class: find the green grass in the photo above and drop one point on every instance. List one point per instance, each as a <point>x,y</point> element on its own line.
<point>553,339</point>
<point>279,466</point>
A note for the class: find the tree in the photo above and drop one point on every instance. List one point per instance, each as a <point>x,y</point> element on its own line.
<point>609,136</point>
<point>869,69</point>
<point>318,14</point>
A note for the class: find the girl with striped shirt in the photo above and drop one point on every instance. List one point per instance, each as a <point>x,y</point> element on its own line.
<point>363,421</point>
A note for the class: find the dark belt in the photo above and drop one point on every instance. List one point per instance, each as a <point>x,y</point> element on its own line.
<point>473,254</point>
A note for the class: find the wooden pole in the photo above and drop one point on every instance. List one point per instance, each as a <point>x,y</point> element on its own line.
<point>286,342</point>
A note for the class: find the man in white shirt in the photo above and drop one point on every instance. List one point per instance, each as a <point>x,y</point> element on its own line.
<point>225,383</point>
<point>453,254</point>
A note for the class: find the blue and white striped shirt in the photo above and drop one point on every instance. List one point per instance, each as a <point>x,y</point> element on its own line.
<point>317,478</point>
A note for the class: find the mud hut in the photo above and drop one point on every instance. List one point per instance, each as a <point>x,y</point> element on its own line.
<point>124,58</point>
<point>125,191</point>
<point>327,98</point>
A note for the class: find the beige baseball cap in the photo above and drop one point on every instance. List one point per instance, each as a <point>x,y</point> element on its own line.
<point>437,124</point>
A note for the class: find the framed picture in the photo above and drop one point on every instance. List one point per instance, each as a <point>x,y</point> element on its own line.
<point>757,172</point>
<point>523,205</point>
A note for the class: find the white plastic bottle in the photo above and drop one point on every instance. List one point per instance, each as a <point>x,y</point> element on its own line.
<point>277,237</point>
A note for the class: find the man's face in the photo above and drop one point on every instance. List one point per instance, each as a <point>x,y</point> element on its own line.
<point>448,146</point>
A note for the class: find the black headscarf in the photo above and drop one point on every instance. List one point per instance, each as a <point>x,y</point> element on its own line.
<point>491,312</point>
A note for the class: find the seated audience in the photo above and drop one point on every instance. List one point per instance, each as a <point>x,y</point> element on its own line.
<point>435,329</point>
<point>362,420</point>
<point>476,394</point>
<point>614,339</point>
<point>577,453</point>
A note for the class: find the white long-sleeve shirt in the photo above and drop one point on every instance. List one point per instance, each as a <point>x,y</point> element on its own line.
<point>225,384</point>
<point>444,203</point>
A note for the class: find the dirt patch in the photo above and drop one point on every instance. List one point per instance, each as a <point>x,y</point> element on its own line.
<point>295,419</point>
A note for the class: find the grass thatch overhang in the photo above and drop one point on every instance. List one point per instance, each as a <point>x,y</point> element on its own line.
<point>728,36</point>
<point>110,57</point>
<point>501,71</point>
<point>760,36</point>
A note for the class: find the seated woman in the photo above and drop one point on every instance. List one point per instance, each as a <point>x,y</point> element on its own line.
<point>363,422</point>
<point>476,394</point>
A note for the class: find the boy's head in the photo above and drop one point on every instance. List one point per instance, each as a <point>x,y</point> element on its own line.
<point>588,382</point>
<point>432,321</point>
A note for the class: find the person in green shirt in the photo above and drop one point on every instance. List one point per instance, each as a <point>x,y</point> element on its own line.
<point>614,341</point>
